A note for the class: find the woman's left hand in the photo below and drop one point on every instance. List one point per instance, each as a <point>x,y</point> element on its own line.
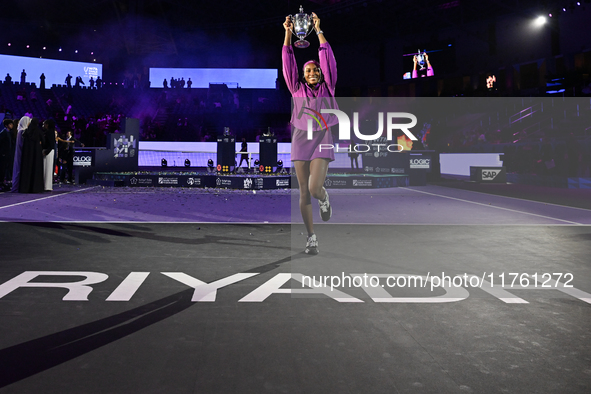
<point>316,21</point>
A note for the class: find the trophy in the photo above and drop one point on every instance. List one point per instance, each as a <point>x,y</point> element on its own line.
<point>421,59</point>
<point>302,26</point>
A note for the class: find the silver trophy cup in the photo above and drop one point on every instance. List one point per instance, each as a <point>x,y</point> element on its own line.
<point>302,26</point>
<point>421,59</point>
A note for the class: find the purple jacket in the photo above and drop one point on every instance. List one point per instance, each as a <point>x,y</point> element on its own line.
<point>430,73</point>
<point>304,96</point>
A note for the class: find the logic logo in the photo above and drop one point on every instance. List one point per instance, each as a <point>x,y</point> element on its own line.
<point>420,163</point>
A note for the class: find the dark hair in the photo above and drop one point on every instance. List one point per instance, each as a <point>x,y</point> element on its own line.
<point>7,122</point>
<point>50,124</point>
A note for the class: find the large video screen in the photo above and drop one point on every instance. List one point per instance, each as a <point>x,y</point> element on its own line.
<point>432,59</point>
<point>247,78</point>
<point>55,71</point>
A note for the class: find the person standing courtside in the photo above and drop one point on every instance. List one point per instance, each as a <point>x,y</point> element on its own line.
<point>16,168</point>
<point>67,158</point>
<point>5,152</point>
<point>48,154</point>
<point>31,171</point>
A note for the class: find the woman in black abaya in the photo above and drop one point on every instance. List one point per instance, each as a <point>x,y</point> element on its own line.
<point>31,174</point>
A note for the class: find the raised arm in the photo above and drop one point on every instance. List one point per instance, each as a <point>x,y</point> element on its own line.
<point>290,68</point>
<point>288,26</point>
<point>328,63</point>
<point>430,72</point>
<point>319,32</point>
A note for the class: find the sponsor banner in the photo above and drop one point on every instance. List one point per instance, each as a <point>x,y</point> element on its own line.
<point>82,161</point>
<point>168,181</point>
<point>362,183</point>
<point>488,174</point>
<point>191,181</point>
<point>141,181</point>
<point>337,183</point>
<point>420,163</point>
<point>200,181</point>
<point>83,158</point>
<point>283,182</point>
<point>221,181</point>
<point>258,183</point>
<point>381,161</point>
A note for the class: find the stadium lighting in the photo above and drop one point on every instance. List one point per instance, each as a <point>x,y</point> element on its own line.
<point>540,21</point>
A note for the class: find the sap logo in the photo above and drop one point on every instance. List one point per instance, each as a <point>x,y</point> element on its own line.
<point>489,175</point>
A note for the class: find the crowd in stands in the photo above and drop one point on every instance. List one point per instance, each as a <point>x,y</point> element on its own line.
<point>180,114</point>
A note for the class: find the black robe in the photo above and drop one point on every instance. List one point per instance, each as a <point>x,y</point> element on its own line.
<point>31,174</point>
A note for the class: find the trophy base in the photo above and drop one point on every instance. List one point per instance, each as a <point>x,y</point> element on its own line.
<point>301,44</point>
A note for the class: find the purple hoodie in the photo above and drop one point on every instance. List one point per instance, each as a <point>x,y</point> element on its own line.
<point>303,94</point>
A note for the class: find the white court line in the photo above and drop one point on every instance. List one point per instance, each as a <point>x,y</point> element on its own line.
<point>45,198</point>
<point>301,223</point>
<point>515,198</point>
<point>492,206</point>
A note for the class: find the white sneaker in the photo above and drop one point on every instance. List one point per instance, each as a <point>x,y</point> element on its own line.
<point>312,245</point>
<point>325,208</point>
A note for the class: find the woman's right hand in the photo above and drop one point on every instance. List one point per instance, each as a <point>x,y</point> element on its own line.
<point>288,25</point>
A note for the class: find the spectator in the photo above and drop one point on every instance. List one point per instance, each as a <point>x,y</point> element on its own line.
<point>31,170</point>
<point>49,143</point>
<point>5,152</point>
<point>23,77</point>
<point>69,81</point>
<point>42,81</point>
<point>16,167</point>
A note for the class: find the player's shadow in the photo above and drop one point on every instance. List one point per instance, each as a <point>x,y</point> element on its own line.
<point>29,358</point>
